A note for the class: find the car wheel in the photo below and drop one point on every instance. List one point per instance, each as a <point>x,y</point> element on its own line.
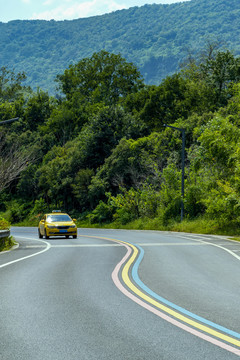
<point>39,234</point>
<point>46,237</point>
<point>74,236</point>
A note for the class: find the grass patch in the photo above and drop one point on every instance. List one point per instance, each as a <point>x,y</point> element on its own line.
<point>197,226</point>
<point>236,238</point>
<point>200,226</point>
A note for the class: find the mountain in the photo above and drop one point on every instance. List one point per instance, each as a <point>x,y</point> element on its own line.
<point>156,38</point>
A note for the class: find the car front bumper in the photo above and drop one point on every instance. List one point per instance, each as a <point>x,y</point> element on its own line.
<point>61,232</point>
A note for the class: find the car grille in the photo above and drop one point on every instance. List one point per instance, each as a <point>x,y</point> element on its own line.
<point>62,227</point>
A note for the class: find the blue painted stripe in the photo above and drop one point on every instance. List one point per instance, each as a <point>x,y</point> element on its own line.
<point>174,306</point>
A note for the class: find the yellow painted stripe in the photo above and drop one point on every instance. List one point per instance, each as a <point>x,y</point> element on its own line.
<point>171,312</point>
<point>158,305</point>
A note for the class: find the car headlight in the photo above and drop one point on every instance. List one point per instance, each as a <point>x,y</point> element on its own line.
<point>51,226</point>
<point>72,226</point>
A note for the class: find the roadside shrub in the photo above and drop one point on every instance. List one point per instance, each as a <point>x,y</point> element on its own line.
<point>126,205</point>
<point>4,224</point>
<point>223,204</point>
<point>193,203</point>
<point>149,201</point>
<point>171,211</point>
<point>102,213</point>
<point>40,207</point>
<point>124,216</point>
<point>169,208</point>
<point>15,212</point>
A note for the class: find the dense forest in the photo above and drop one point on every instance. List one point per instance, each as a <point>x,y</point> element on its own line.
<point>156,38</point>
<point>100,151</point>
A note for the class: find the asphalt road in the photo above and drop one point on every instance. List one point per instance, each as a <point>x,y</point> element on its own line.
<point>120,295</point>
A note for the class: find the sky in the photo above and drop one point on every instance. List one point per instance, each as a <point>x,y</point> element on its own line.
<point>66,9</point>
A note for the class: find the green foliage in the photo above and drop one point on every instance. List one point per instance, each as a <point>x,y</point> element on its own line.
<point>117,163</point>
<point>131,204</point>
<point>40,207</point>
<point>126,205</point>
<point>4,224</point>
<point>219,70</point>
<point>214,73</point>
<point>11,84</point>
<point>38,109</point>
<point>194,205</point>
<point>15,211</point>
<point>80,186</point>
<point>223,203</point>
<point>6,243</point>
<point>161,104</point>
<point>219,144</point>
<point>61,124</point>
<point>131,163</point>
<point>100,79</point>
<point>27,184</point>
<point>170,194</point>
<point>102,213</point>
<point>103,132</point>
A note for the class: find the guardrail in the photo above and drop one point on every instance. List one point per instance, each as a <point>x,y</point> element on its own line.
<point>4,233</point>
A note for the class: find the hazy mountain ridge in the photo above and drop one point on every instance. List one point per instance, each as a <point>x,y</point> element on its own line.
<point>154,37</point>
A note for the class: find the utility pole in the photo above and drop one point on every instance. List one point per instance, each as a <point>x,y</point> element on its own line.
<point>183,166</point>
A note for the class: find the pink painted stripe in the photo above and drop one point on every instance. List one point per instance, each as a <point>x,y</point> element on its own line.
<point>161,314</point>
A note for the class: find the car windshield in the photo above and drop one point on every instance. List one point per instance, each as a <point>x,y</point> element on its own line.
<point>54,218</point>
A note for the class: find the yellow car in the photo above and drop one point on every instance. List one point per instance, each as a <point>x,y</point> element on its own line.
<point>57,224</point>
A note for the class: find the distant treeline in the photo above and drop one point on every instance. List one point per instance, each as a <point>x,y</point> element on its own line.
<point>156,38</point>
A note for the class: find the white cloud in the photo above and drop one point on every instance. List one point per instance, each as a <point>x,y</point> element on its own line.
<point>69,10</point>
<point>48,2</point>
<point>26,1</point>
<point>72,9</point>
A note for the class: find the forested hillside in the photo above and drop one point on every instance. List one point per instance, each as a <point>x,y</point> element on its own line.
<point>156,38</point>
<point>100,151</point>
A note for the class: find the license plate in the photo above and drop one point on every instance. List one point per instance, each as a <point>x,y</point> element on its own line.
<point>62,231</point>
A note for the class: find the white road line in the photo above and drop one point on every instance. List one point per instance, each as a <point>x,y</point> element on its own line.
<point>74,245</point>
<point>111,245</point>
<point>33,246</point>
<point>46,248</point>
<point>216,245</point>
<point>172,244</point>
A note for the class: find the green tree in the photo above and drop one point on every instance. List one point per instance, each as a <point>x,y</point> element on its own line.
<point>80,186</point>
<point>11,87</point>
<point>214,169</point>
<point>103,77</point>
<point>100,136</point>
<point>66,170</point>
<point>61,124</point>
<point>176,97</point>
<point>38,109</point>
<point>220,70</point>
<point>213,72</point>
<point>131,164</point>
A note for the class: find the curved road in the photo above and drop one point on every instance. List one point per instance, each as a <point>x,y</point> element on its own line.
<point>120,295</point>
